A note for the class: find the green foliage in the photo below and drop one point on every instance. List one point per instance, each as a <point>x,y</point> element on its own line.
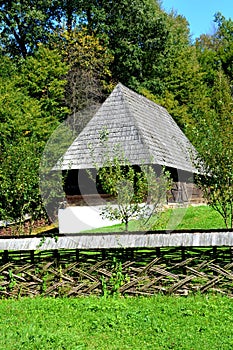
<point>16,148</point>
<point>19,191</point>
<point>117,279</point>
<point>159,322</point>
<point>216,51</point>
<point>213,130</point>
<point>50,181</point>
<point>216,149</point>
<point>135,33</point>
<point>137,190</point>
<point>43,75</point>
<point>224,43</point>
<point>59,57</point>
<point>31,107</point>
<point>24,24</point>
<point>89,74</point>
<point>178,84</point>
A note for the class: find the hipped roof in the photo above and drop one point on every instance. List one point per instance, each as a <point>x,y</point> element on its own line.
<point>145,132</point>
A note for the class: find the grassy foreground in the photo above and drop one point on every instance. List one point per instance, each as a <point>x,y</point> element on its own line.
<point>192,217</point>
<point>160,322</point>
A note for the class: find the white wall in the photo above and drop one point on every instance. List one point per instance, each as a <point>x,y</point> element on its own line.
<point>79,218</point>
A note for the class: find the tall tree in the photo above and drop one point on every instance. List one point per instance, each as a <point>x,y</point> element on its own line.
<point>216,51</point>
<point>31,108</point>
<point>89,72</point>
<point>179,84</point>
<point>25,23</point>
<point>136,35</point>
<point>224,43</point>
<point>214,133</point>
<point>19,152</point>
<point>43,75</point>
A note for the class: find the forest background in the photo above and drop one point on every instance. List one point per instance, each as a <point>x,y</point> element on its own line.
<point>60,57</point>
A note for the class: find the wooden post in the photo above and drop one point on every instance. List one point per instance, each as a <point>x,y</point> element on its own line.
<point>231,253</point>
<point>183,253</point>
<point>183,257</point>
<point>56,256</point>
<point>215,258</point>
<point>5,257</point>
<point>132,254</point>
<point>103,251</point>
<point>77,254</point>
<point>215,252</point>
<point>32,256</point>
<point>158,252</point>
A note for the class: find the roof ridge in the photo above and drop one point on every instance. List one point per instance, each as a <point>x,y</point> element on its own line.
<point>145,130</point>
<point>139,96</point>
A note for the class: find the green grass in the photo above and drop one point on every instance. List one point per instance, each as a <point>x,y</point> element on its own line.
<point>192,217</point>
<point>160,322</point>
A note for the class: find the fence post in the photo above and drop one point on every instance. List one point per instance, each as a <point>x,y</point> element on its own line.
<point>56,256</point>
<point>214,252</point>
<point>103,254</point>
<point>231,254</point>
<point>158,252</point>
<point>5,257</point>
<point>32,256</point>
<point>77,254</point>
<point>183,257</point>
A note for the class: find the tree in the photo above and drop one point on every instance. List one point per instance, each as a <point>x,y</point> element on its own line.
<point>216,51</point>
<point>19,191</point>
<point>51,183</point>
<point>43,75</point>
<point>89,75</point>
<point>224,43</point>
<point>138,191</point>
<point>31,107</point>
<point>19,151</point>
<point>135,33</point>
<point>26,23</point>
<point>183,92</point>
<point>216,150</point>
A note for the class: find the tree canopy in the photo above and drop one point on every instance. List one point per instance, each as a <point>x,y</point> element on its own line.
<point>59,57</point>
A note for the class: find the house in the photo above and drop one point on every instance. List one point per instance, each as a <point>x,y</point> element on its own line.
<point>145,132</point>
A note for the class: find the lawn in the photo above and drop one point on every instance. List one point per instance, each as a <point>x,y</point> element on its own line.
<point>135,323</point>
<point>192,217</point>
<point>159,322</point>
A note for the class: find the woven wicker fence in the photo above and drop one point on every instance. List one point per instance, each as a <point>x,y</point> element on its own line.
<point>74,273</point>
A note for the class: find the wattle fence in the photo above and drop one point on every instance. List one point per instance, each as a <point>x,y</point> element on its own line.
<point>132,263</point>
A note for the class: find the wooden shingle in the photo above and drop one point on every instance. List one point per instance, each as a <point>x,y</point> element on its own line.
<point>143,130</point>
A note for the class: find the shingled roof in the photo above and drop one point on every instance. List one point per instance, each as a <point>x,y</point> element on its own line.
<point>144,130</point>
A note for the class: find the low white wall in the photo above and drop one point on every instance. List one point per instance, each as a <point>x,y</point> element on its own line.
<point>79,218</point>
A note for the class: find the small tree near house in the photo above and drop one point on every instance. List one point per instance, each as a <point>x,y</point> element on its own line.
<point>137,191</point>
<point>216,151</point>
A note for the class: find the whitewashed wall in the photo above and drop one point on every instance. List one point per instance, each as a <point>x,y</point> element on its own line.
<point>79,218</point>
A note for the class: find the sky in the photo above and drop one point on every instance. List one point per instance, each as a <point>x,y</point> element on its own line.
<point>200,13</point>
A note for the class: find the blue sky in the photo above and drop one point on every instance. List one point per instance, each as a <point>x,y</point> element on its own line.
<point>200,13</point>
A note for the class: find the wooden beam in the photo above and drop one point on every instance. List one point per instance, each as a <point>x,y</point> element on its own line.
<point>124,240</point>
